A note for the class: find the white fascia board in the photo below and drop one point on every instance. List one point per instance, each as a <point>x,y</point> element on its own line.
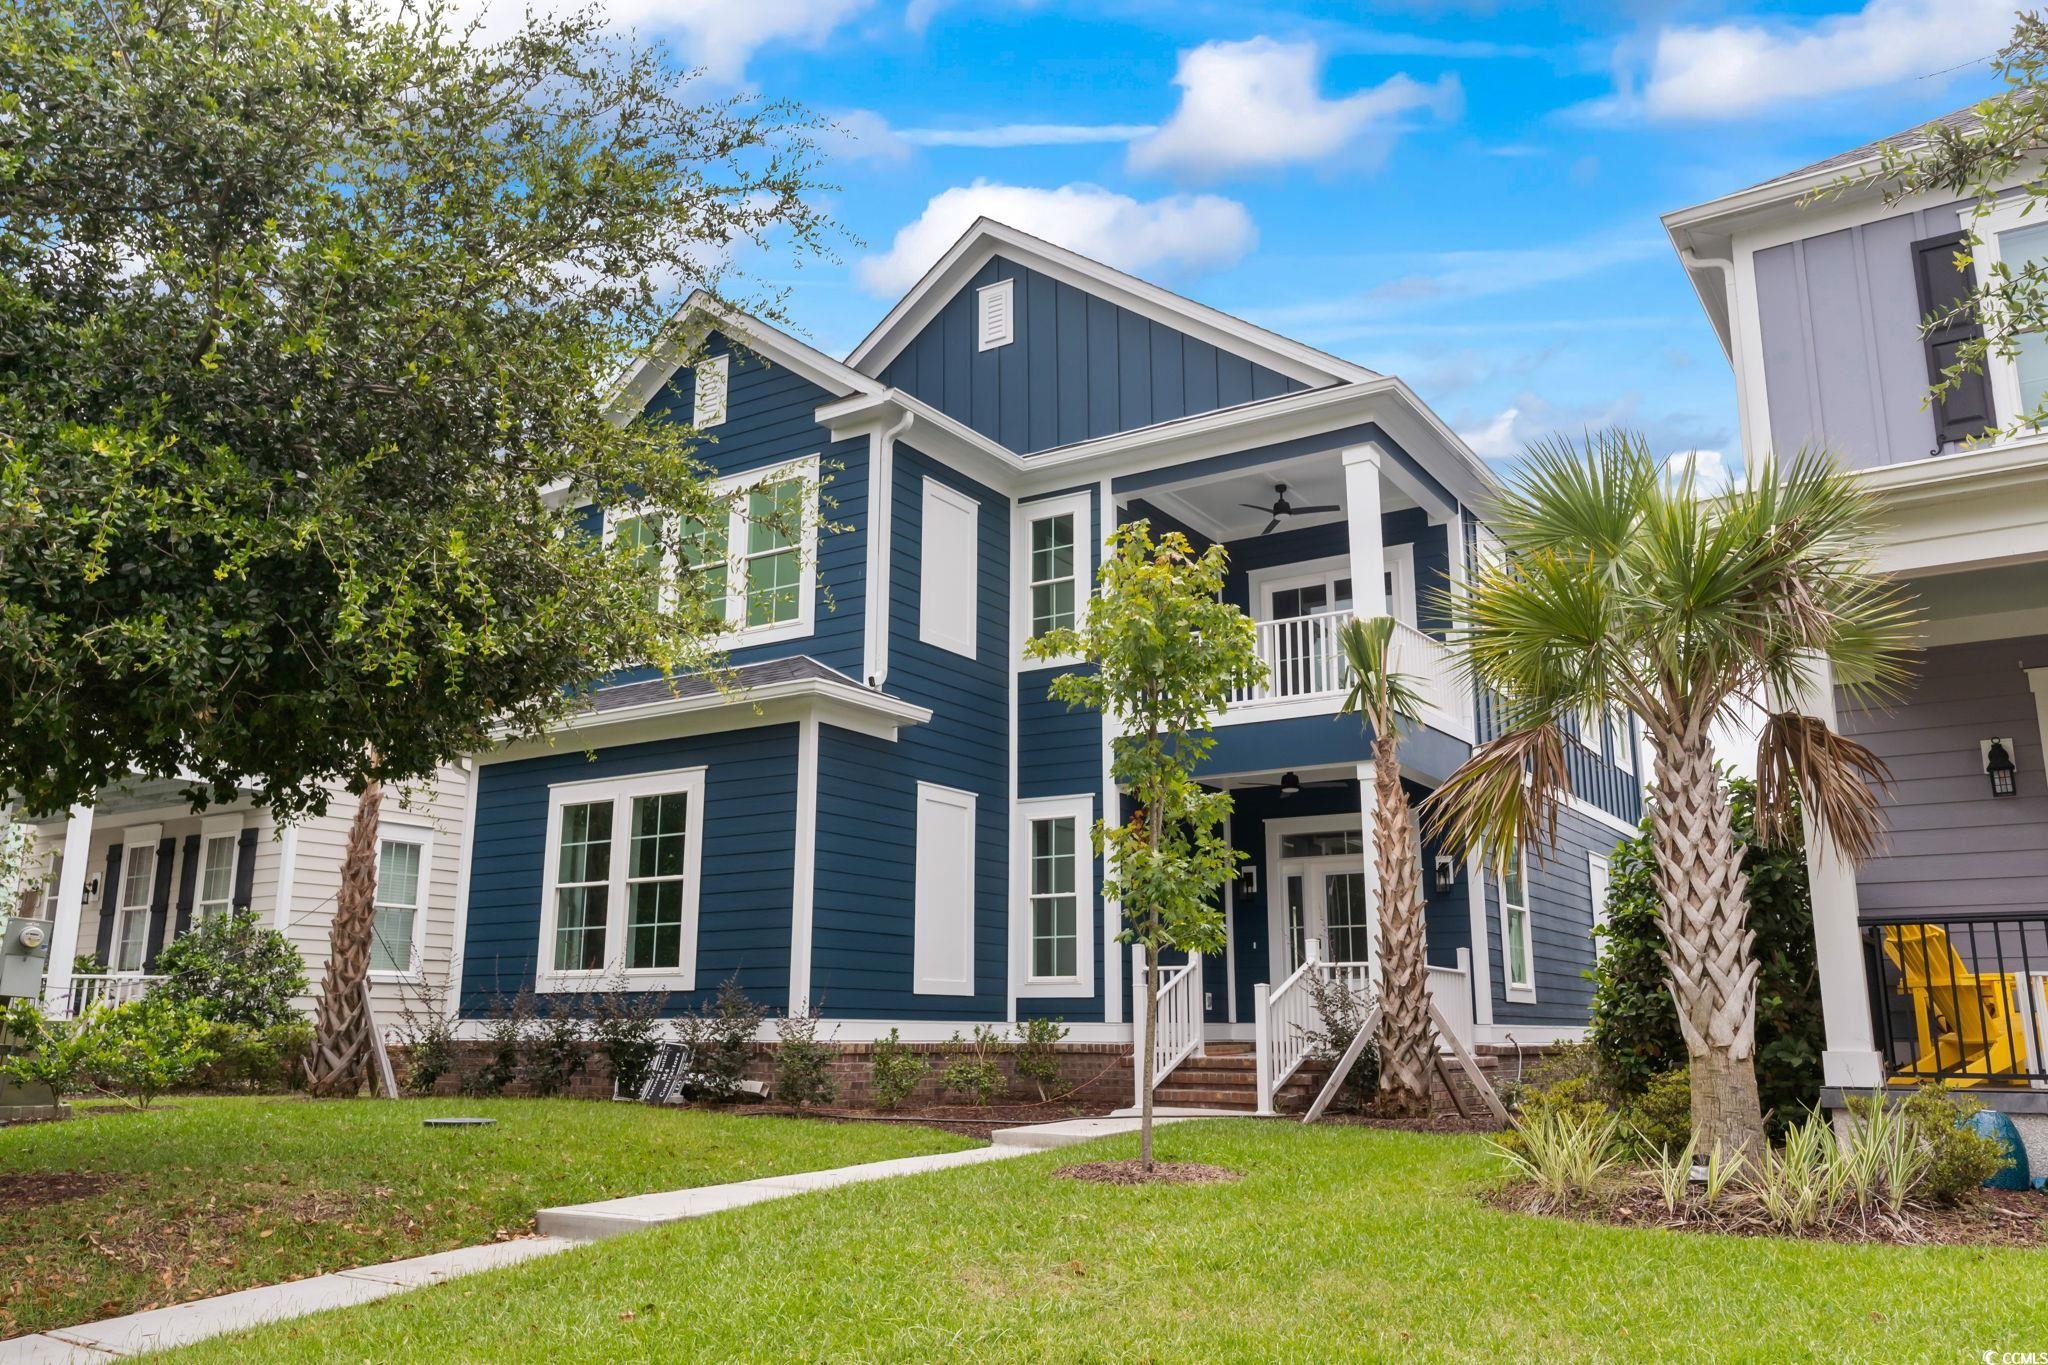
<point>842,704</point>
<point>662,359</point>
<point>931,432</point>
<point>985,237</point>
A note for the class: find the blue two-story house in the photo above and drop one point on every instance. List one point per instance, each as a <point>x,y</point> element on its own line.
<point>889,819</point>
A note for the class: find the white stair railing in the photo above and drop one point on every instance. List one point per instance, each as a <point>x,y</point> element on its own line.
<point>90,992</point>
<point>1282,1018</point>
<point>1180,1017</point>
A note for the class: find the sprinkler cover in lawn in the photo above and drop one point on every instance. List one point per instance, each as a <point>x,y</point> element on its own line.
<point>456,1123</point>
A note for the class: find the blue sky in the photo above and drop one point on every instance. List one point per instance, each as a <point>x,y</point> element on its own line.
<point>1462,194</point>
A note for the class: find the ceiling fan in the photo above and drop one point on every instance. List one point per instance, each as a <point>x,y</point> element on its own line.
<point>1282,508</point>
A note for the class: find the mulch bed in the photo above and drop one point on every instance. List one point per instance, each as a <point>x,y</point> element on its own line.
<point>1448,1121</point>
<point>43,1188</point>
<point>1133,1172</point>
<point>966,1120</point>
<point>1987,1218</point>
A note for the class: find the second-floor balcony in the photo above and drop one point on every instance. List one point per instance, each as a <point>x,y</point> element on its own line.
<point>1306,672</point>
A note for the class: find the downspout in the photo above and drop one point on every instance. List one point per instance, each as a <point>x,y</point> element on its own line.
<point>1692,260</point>
<point>881,498</point>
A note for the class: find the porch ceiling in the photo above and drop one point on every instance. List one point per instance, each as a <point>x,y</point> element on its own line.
<point>1215,507</point>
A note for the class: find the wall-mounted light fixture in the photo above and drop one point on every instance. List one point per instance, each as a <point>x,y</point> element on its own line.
<point>1248,881</point>
<point>1446,873</point>
<point>1998,765</point>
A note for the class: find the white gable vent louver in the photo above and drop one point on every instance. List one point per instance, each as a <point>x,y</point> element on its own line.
<point>994,311</point>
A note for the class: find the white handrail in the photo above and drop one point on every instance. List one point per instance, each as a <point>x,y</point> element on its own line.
<point>1180,1020</point>
<point>107,988</point>
<point>1282,1018</point>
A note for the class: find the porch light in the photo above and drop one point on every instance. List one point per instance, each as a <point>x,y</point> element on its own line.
<point>1446,874</point>
<point>1999,767</point>
<point>1290,784</point>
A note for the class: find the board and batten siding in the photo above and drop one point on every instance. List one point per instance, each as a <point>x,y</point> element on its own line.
<point>863,921</point>
<point>1560,923</point>
<point>748,829</point>
<point>1079,366</point>
<point>1839,317</point>
<point>1950,845</point>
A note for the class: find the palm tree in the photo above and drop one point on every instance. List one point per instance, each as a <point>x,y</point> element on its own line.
<point>1621,588</point>
<point>1385,700</point>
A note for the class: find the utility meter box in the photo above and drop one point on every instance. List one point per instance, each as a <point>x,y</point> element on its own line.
<point>24,957</point>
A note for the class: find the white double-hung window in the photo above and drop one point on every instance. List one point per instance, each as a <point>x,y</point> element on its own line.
<point>622,882</point>
<point>136,891</point>
<point>1052,559</point>
<point>2015,238</point>
<point>1517,939</point>
<point>755,569</point>
<point>1052,896</point>
<point>220,840</point>
<point>404,858</point>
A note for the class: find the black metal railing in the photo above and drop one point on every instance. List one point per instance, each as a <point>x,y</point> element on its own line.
<point>1961,998</point>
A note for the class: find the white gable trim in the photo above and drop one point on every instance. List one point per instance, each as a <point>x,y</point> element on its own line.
<point>985,237</point>
<point>654,369</point>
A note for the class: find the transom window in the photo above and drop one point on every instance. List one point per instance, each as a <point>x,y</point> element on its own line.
<point>401,877</point>
<point>1055,927</point>
<point>1323,844</point>
<point>1052,574</point>
<point>756,569</point>
<point>623,881</point>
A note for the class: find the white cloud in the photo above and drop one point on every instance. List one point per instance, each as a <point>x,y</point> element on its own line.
<point>1026,135</point>
<point>1182,233</point>
<point>862,135</point>
<point>1744,67</point>
<point>1496,440</point>
<point>1257,104</point>
<point>721,36</point>
<point>1713,473</point>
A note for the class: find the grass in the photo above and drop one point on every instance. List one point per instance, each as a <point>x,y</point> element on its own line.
<point>211,1195</point>
<point>1339,1242</point>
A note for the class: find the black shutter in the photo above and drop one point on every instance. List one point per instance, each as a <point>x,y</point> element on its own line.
<point>110,896</point>
<point>187,882</point>
<point>245,868</point>
<point>159,903</point>
<point>1965,410</point>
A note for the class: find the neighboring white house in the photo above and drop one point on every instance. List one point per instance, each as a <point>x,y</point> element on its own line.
<point>122,877</point>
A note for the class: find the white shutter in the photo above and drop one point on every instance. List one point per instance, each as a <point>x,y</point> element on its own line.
<point>942,939</point>
<point>948,591</point>
<point>708,409</point>
<point>996,320</point>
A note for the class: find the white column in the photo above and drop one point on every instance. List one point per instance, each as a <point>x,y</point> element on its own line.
<point>1366,774</point>
<point>1362,519</point>
<point>1849,1058</point>
<point>68,910</point>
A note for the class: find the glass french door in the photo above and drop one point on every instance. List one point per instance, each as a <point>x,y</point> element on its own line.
<point>1324,899</point>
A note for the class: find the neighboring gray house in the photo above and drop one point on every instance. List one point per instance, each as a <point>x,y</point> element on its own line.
<point>1934,955</point>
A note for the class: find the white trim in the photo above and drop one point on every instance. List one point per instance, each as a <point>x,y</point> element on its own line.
<point>132,838</point>
<point>1599,881</point>
<point>1081,810</point>
<point>1400,562</point>
<point>949,591</point>
<point>868,1030</point>
<point>804,876</point>
<point>2009,215</point>
<point>287,873</point>
<point>839,702</point>
<point>1109,727</point>
<point>1527,1035</point>
<point>1278,942</point>
<point>700,312</point>
<point>995,315</point>
<point>621,792</point>
<point>943,912</point>
<point>985,237</point>
<point>881,520</point>
<point>405,831</point>
<point>709,402</point>
<point>465,858</point>
<point>1482,949</point>
<point>1079,506</point>
<point>1230,929</point>
<point>1520,993</point>
<point>211,828</point>
<point>2037,683</point>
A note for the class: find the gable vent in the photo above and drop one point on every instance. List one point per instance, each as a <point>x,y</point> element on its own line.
<point>997,319</point>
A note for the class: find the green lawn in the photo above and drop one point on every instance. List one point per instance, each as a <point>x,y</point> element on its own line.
<point>1338,1242</point>
<point>218,1194</point>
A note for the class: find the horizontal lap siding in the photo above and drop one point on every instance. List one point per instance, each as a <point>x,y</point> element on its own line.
<point>867,827</point>
<point>1950,844</point>
<point>1080,367</point>
<point>748,829</point>
<point>1561,926</point>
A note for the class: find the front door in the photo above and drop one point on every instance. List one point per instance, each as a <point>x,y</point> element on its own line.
<point>1324,899</point>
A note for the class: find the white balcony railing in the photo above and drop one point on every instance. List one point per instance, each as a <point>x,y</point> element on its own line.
<point>1305,664</point>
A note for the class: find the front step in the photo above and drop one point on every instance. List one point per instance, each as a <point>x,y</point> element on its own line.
<point>1227,1077</point>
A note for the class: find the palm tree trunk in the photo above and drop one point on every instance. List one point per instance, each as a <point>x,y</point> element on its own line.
<point>342,1034</point>
<point>1405,1037</point>
<point>1704,912</point>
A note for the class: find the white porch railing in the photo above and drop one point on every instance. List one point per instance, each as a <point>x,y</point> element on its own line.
<point>1450,988</point>
<point>107,988</point>
<point>1283,1016</point>
<point>1180,1017</point>
<point>1304,663</point>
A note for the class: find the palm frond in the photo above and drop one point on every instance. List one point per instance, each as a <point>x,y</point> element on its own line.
<point>1802,765</point>
<point>1505,796</point>
<point>1379,692</point>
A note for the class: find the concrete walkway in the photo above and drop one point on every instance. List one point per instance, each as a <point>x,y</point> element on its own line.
<point>561,1229</point>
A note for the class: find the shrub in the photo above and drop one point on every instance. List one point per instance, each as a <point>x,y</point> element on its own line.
<point>976,1073</point>
<point>257,1059</point>
<point>1800,1184</point>
<point>1635,1024</point>
<point>626,1030</point>
<point>1566,1155</point>
<point>426,1030</point>
<point>556,1055</point>
<point>1959,1158</point>
<point>53,1051</point>
<point>1340,1011</point>
<point>720,1039</point>
<point>505,1030</point>
<point>896,1071</point>
<point>1661,1116</point>
<point>231,968</point>
<point>1038,1059</point>
<point>803,1065</point>
<point>139,1050</point>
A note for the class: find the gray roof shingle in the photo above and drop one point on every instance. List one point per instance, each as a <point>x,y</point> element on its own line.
<point>793,669</point>
<point>1918,134</point>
